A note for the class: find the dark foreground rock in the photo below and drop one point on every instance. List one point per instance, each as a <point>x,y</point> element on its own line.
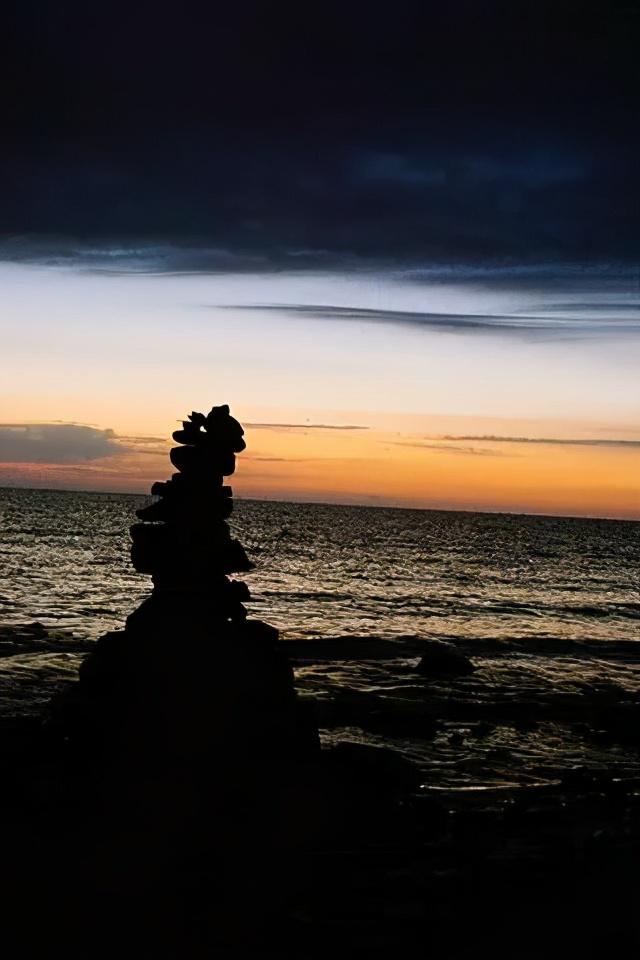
<point>441,659</point>
<point>344,856</point>
<point>348,852</point>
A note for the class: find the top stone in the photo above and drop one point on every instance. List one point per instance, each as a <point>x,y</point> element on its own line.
<point>217,429</point>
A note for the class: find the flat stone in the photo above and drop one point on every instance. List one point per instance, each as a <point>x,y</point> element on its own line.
<point>189,460</point>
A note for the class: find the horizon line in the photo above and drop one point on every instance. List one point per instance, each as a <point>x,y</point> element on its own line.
<point>334,503</point>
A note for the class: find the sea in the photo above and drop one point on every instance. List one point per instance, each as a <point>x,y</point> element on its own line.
<point>547,608</point>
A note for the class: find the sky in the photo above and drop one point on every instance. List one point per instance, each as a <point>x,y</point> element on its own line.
<point>401,243</point>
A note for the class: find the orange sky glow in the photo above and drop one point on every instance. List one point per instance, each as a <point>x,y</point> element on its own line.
<point>407,468</point>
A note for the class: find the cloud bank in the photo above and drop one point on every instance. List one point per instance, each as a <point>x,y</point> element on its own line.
<point>424,132</point>
<point>59,443</point>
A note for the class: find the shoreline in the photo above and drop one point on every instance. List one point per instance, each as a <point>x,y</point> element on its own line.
<point>462,712</point>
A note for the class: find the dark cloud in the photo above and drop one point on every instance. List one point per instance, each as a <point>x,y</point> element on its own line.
<point>447,202</point>
<point>56,443</point>
<point>421,132</point>
<point>131,255</point>
<point>69,443</point>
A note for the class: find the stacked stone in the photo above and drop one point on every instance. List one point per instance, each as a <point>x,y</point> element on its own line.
<point>191,679</point>
<point>183,540</point>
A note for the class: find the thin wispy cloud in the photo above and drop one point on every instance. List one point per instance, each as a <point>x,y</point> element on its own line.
<point>448,448</point>
<point>141,440</point>
<point>304,426</point>
<point>449,443</point>
<point>246,457</point>
<point>582,322</point>
<point>556,441</point>
<point>597,305</point>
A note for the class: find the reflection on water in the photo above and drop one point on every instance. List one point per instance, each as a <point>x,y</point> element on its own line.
<point>330,570</point>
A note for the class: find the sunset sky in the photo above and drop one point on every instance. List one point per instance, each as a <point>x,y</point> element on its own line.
<point>401,244</point>
<point>408,388</point>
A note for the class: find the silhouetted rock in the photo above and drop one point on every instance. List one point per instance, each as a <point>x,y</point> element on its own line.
<point>191,687</point>
<point>442,659</point>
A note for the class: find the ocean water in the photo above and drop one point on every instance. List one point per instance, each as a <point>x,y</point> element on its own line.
<point>548,609</point>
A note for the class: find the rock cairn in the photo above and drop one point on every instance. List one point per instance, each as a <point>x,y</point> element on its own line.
<point>191,683</point>
<point>183,540</point>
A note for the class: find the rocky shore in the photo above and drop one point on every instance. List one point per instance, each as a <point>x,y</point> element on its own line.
<point>375,856</point>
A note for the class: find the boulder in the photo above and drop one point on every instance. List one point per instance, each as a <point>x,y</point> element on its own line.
<point>442,659</point>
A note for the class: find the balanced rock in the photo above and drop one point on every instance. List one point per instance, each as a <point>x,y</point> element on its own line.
<point>191,683</point>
